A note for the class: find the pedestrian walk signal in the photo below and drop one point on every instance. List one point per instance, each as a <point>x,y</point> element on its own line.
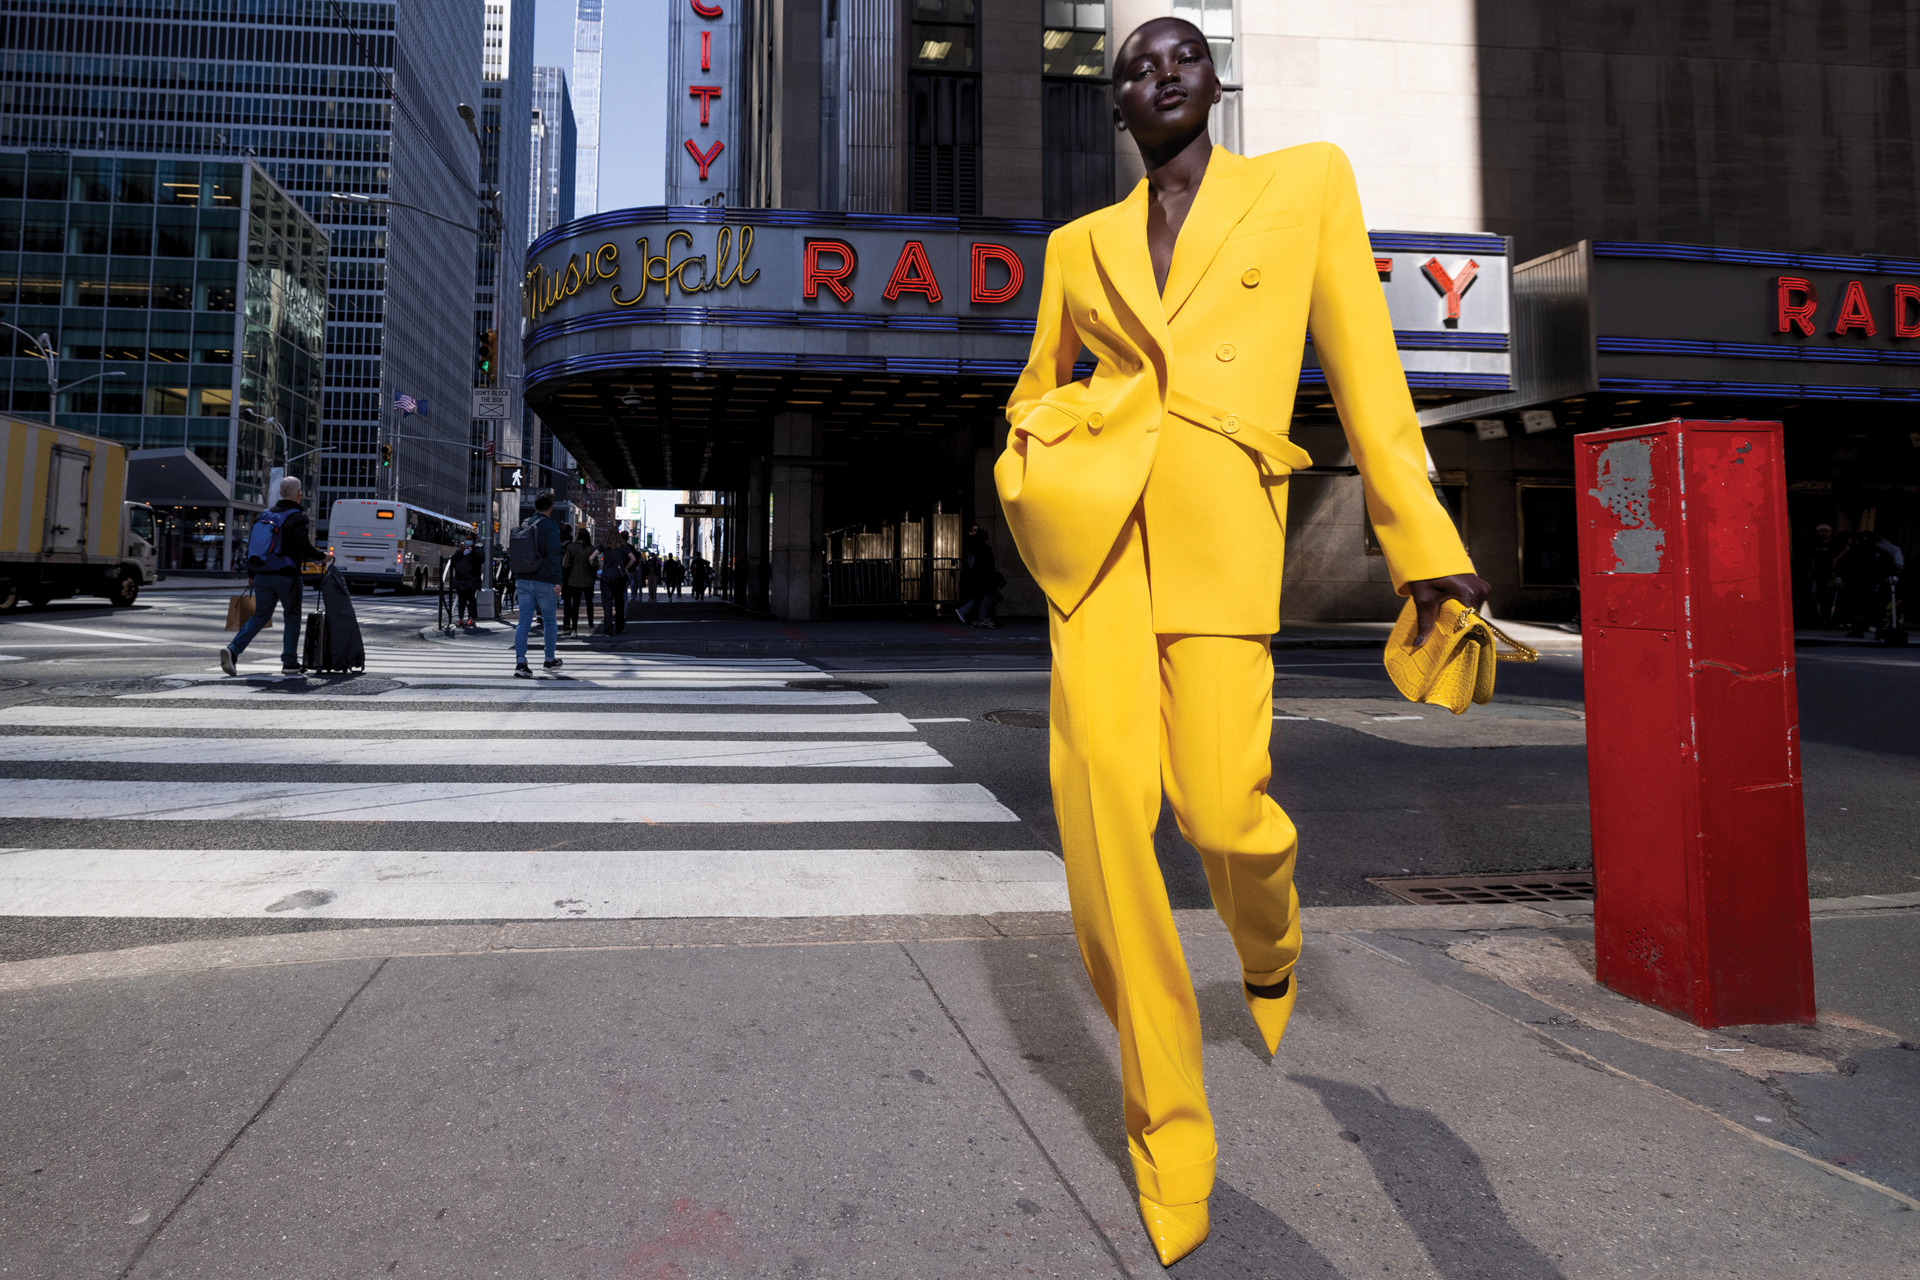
<point>509,475</point>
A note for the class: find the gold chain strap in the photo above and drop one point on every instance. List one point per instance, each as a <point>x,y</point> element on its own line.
<point>1521,652</point>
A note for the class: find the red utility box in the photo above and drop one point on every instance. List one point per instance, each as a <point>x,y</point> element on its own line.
<point>1693,754</point>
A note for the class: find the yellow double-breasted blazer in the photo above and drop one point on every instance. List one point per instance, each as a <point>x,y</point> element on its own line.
<point>1187,411</point>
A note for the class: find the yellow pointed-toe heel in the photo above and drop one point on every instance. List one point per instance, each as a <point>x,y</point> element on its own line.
<point>1175,1229</point>
<point>1270,1013</point>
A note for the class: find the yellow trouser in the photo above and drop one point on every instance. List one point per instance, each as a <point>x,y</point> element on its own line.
<point>1206,704</point>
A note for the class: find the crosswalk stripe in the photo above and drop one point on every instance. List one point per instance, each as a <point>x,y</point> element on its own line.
<point>548,884</point>
<point>552,752</point>
<point>518,691</point>
<point>544,803</point>
<point>281,716</point>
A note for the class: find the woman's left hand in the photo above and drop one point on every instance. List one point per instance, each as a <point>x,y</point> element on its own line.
<point>1469,589</point>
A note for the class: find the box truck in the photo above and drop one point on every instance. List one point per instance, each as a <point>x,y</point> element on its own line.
<point>65,526</point>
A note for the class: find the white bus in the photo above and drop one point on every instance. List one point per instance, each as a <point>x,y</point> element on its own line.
<point>392,544</point>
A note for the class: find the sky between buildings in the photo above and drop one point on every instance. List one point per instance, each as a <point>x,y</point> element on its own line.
<point>633,155</point>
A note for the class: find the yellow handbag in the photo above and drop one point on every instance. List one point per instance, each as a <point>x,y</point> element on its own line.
<point>1454,668</point>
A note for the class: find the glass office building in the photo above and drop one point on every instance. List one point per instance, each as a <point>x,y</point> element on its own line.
<point>355,97</point>
<point>196,290</point>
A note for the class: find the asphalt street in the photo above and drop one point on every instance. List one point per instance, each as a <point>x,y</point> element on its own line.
<point>739,949</point>
<point>706,764</point>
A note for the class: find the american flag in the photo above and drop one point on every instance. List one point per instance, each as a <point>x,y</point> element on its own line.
<point>406,403</point>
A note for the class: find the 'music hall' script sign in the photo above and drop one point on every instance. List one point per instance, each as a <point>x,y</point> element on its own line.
<point>835,270</point>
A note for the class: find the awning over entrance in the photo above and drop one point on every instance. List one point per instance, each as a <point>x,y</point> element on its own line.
<point>175,478</point>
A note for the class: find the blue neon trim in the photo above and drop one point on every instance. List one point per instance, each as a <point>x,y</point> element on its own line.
<point>1435,242</point>
<point>1755,257</point>
<point>822,219</point>
<point>746,317</point>
<point>828,220</point>
<point>1762,390</point>
<point>1754,351</point>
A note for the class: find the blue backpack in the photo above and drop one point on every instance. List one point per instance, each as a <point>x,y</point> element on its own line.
<point>263,544</point>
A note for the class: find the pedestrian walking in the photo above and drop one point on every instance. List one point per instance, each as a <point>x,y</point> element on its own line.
<point>652,576</point>
<point>700,574</point>
<point>469,568</point>
<point>672,574</point>
<point>280,542</point>
<point>1179,448</point>
<point>612,560</point>
<point>1866,573</point>
<point>576,575</point>
<point>1820,574</point>
<point>534,551</point>
<point>980,581</point>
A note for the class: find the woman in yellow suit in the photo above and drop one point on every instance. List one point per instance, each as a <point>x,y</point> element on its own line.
<point>1149,500</point>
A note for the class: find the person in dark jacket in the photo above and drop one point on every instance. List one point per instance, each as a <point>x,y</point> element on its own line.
<point>576,575</point>
<point>672,574</point>
<point>613,559</point>
<point>275,579</point>
<point>700,573</point>
<point>980,581</point>
<point>468,568</point>
<point>539,591</point>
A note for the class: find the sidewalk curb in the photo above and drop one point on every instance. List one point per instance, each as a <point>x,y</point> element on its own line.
<point>468,939</point>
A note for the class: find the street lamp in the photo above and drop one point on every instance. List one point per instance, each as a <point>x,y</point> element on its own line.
<point>43,348</point>
<point>402,204</point>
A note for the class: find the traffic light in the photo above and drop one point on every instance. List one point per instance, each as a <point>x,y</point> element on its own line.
<point>489,352</point>
<point>386,455</point>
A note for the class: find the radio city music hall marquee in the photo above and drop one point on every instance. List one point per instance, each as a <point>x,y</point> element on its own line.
<point>780,288</point>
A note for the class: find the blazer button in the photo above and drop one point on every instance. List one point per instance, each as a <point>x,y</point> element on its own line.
<point>1225,352</point>
<point>1093,315</point>
<point>1096,420</point>
<point>1230,425</point>
<point>1250,277</point>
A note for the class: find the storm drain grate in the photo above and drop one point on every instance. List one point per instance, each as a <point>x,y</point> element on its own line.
<point>1528,886</point>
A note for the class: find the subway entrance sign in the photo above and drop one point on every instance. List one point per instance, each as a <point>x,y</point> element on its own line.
<point>700,511</point>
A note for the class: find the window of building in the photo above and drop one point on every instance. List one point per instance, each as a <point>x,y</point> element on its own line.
<point>942,35</point>
<point>1549,540</point>
<point>1075,40</point>
<point>1076,109</point>
<point>943,93</point>
<point>1215,20</point>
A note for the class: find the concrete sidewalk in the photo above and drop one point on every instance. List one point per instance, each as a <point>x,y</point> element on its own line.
<point>933,1096</point>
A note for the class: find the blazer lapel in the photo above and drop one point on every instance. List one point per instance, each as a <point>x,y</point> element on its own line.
<point>1120,246</point>
<point>1226,193</point>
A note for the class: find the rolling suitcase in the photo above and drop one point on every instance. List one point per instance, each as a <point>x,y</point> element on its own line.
<point>313,653</point>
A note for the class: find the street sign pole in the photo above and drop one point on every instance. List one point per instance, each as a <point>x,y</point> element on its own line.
<point>491,405</point>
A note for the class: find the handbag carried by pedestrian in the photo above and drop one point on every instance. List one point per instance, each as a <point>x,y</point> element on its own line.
<point>239,609</point>
<point>1454,668</point>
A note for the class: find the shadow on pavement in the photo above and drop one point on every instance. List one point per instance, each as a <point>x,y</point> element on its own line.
<point>1437,1182</point>
<point>1044,1004</point>
<point>1248,1239</point>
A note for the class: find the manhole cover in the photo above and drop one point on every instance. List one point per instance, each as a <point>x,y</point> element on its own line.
<point>834,686</point>
<point>113,688</point>
<point>1527,886</point>
<point>1019,718</point>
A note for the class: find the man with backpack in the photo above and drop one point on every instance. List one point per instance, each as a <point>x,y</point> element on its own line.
<point>534,551</point>
<point>280,542</point>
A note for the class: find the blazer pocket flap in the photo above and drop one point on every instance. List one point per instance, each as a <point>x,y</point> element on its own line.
<point>1262,222</point>
<point>1047,423</point>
